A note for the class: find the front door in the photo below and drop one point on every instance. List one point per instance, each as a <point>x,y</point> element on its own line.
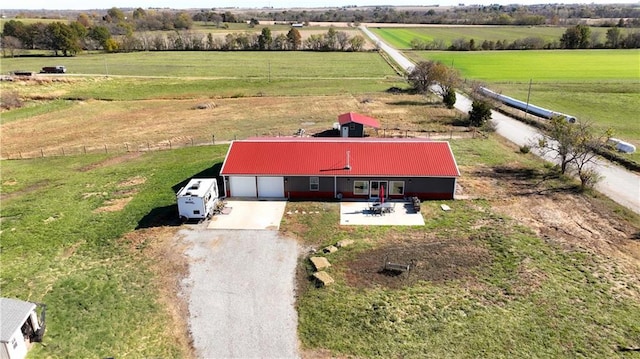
<point>377,187</point>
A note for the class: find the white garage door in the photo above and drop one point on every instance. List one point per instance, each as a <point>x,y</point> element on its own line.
<point>271,187</point>
<point>242,186</point>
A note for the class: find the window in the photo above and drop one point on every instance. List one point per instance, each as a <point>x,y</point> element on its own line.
<point>352,126</point>
<point>314,183</point>
<point>396,188</point>
<point>361,187</point>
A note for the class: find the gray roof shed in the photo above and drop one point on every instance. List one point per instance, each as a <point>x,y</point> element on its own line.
<point>13,313</point>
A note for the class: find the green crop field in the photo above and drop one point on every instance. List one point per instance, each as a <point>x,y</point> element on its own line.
<point>401,37</point>
<point>548,66</point>
<point>599,86</point>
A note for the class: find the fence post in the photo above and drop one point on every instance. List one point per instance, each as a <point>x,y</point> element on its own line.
<point>20,153</point>
<point>213,139</point>
<point>148,147</point>
<point>191,141</point>
<point>169,144</point>
<point>42,153</point>
<point>105,148</point>
<point>235,137</point>
<point>85,149</point>
<point>126,145</point>
<point>62,148</point>
<point>451,133</point>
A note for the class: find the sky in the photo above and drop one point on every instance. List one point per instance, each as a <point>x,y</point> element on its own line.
<point>186,4</point>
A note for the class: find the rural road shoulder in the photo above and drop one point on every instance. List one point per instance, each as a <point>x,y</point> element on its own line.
<point>240,292</point>
<point>617,183</point>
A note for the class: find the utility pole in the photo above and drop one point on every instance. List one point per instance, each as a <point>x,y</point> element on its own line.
<point>526,110</point>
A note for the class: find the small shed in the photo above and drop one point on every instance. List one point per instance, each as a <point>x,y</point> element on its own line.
<point>352,124</point>
<point>18,328</point>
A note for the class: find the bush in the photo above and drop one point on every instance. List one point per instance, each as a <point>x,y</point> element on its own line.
<point>449,98</point>
<point>480,113</point>
<point>10,99</point>
<point>525,149</point>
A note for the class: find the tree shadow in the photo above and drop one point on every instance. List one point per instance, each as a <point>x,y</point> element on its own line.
<point>529,181</point>
<point>167,216</point>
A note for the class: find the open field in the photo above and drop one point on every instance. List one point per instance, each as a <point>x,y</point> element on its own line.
<point>215,64</point>
<point>581,66</point>
<point>72,126</point>
<point>400,37</point>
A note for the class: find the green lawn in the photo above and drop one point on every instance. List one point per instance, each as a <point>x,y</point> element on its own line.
<point>59,250</point>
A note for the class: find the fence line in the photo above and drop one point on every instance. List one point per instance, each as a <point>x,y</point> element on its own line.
<point>149,146</point>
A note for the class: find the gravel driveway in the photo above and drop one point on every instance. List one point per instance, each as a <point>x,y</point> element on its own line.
<point>240,292</point>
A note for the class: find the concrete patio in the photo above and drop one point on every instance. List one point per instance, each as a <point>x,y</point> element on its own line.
<point>358,214</point>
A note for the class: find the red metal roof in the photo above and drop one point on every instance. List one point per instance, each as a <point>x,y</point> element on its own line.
<point>331,157</point>
<point>358,118</point>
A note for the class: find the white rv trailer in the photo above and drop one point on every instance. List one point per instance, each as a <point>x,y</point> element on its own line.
<point>198,198</point>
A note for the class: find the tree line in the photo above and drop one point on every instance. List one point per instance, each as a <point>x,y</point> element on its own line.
<point>113,33</point>
<point>547,14</point>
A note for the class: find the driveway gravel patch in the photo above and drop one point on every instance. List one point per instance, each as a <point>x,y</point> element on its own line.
<point>240,292</point>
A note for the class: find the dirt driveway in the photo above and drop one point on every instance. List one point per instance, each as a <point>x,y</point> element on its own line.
<point>240,293</point>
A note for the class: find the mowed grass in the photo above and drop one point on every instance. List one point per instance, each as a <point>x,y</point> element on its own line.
<point>60,248</point>
<point>401,37</point>
<point>179,75</point>
<point>533,299</point>
<point>213,64</point>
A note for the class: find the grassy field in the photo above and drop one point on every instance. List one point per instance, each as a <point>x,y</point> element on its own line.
<point>64,222</point>
<point>401,37</point>
<point>212,64</point>
<point>206,74</point>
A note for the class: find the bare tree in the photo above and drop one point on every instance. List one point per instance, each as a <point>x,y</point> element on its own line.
<point>10,46</point>
<point>574,145</point>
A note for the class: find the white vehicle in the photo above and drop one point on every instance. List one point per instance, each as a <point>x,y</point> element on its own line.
<point>198,198</point>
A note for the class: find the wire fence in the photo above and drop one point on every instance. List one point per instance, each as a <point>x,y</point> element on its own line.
<point>115,148</point>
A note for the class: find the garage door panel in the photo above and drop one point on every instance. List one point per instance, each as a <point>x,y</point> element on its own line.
<point>242,186</point>
<point>271,187</point>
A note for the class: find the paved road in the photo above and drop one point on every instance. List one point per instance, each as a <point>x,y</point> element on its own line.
<point>617,183</point>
